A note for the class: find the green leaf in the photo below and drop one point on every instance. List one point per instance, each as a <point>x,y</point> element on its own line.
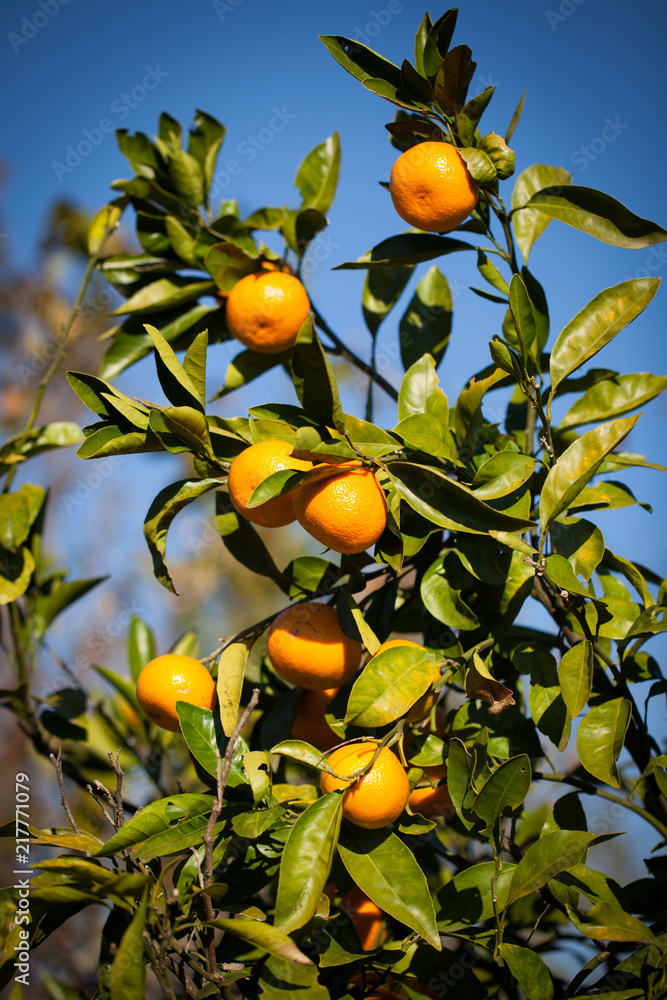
<point>231,671</point>
<point>427,434</point>
<point>447,503</point>
<point>600,739</point>
<point>577,465</point>
<point>409,248</point>
<point>506,788</point>
<point>522,313</point>
<point>314,381</point>
<point>162,512</point>
<point>420,393</point>
<point>16,569</point>
<point>306,862</point>
<point>202,732</point>
<point>580,542</point>
<point>263,936</point>
<point>598,323</point>
<point>612,398</point>
<point>317,175</point>
<point>140,646</point>
<point>204,141</point>
<point>599,215</point>
<point>389,685</point>
<point>575,673</point>
<point>178,387</point>
<point>128,972</point>
<point>165,293</point>
<point>442,598</point>
<point>467,899</point>
<point>502,474</point>
<point>360,61</point>
<point>382,289</point>
<point>104,223</point>
<point>426,324</point>
<point>453,79</point>
<point>386,870</point>
<point>514,121</point>
<point>157,818</point>
<point>352,622</point>
<point>529,223</point>
<point>529,970</point>
<point>551,854</point>
<point>650,622</point>
<point>227,263</point>
<point>242,540</point>
<point>469,116</point>
<point>247,366</point>
<point>606,922</point>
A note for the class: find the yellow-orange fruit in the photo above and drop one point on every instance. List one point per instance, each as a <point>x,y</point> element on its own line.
<point>250,468</point>
<point>309,722</point>
<point>376,799</point>
<point>346,511</point>
<point>429,801</point>
<point>431,187</point>
<point>367,917</point>
<point>307,647</point>
<point>266,309</point>
<point>171,678</point>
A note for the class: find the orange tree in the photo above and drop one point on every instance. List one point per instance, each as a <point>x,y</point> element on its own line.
<point>233,878</point>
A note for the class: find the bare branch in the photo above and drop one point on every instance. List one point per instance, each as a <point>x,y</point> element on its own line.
<point>58,764</point>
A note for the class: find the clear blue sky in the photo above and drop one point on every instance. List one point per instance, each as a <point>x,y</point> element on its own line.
<point>595,104</point>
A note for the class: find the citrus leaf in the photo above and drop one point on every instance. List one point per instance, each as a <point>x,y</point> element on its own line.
<point>317,175</point>
<point>551,854</point>
<point>529,223</point>
<point>530,971</point>
<point>600,739</point>
<point>577,465</point>
<point>612,398</point>
<point>409,248</point>
<point>231,671</point>
<point>314,380</point>
<point>606,922</point>
<point>505,788</point>
<point>162,512</point>
<point>467,899</point>
<point>599,215</point>
<point>386,870</point>
<point>575,673</point>
<point>598,323</point>
<point>306,862</point>
<point>128,972</point>
<point>389,685</point>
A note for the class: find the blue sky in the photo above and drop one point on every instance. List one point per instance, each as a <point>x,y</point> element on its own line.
<point>72,72</point>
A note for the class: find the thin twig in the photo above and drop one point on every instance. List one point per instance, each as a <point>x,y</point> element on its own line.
<point>119,814</point>
<point>100,803</point>
<point>57,763</point>
<point>344,351</point>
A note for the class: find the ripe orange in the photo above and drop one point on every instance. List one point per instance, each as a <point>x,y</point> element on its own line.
<point>367,917</point>
<point>309,722</point>
<point>307,647</point>
<point>431,801</point>
<point>171,678</point>
<point>424,705</point>
<point>266,309</point>
<point>376,799</point>
<point>250,468</point>
<point>347,511</point>
<point>431,187</point>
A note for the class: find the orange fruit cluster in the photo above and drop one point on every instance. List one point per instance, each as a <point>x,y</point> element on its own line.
<point>343,506</point>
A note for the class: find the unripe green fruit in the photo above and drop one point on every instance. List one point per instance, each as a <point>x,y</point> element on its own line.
<point>499,153</point>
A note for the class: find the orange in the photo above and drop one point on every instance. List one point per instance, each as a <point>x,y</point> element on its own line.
<point>171,678</point>
<point>346,511</point>
<point>266,310</point>
<point>431,187</point>
<point>307,647</point>
<point>367,918</point>
<point>309,722</point>
<point>431,801</point>
<point>376,799</point>
<point>424,705</point>
<point>250,468</point>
